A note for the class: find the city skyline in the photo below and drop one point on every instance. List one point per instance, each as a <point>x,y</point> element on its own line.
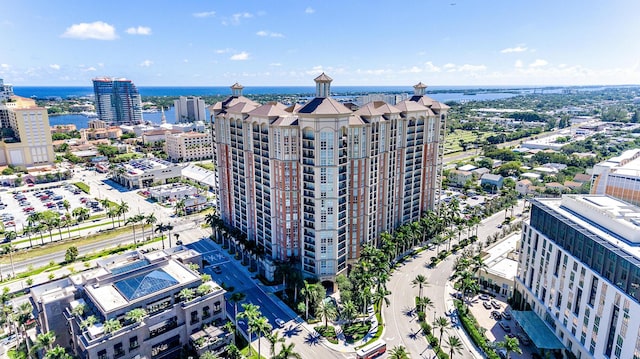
<point>445,43</point>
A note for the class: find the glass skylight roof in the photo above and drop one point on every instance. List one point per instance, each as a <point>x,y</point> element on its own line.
<point>129,267</point>
<point>143,285</point>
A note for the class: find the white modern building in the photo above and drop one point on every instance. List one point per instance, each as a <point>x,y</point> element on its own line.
<point>579,272</point>
<point>141,173</point>
<point>190,146</point>
<point>83,308</point>
<point>190,109</point>
<point>6,91</point>
<point>619,177</point>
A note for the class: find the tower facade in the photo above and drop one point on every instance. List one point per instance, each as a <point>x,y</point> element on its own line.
<point>117,101</point>
<point>314,183</point>
<point>189,109</point>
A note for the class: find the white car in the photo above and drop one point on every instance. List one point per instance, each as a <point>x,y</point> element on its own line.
<point>280,322</point>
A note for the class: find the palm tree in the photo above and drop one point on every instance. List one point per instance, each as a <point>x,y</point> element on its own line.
<point>326,310</point>
<point>349,311</point>
<point>231,328</point>
<point>91,320</point>
<point>45,341</point>
<point>251,312</point>
<point>274,338</point>
<point>9,248</point>
<point>111,326</point>
<point>309,296</point>
<point>132,221</point>
<point>510,345</point>
<point>424,303</point>
<point>441,323</point>
<point>236,298</point>
<point>81,214</point>
<point>123,208</point>
<point>113,213</point>
<point>186,294</point>
<point>208,355</point>
<point>420,281</point>
<point>399,352</point>
<point>180,206</point>
<point>57,353</point>
<point>150,219</point>
<point>380,295</point>
<point>232,352</point>
<point>177,236</point>
<point>79,310</point>
<point>261,327</point>
<point>455,345</point>
<point>162,228</point>
<point>67,216</point>
<point>135,315</point>
<point>286,352</point>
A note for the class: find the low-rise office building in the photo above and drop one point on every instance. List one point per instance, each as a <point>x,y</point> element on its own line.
<point>140,173</point>
<point>619,177</point>
<point>90,311</point>
<point>579,273</point>
<point>190,146</point>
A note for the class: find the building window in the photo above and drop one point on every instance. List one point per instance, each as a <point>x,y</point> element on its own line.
<point>194,317</point>
<point>133,343</point>
<point>118,351</point>
<point>205,312</point>
<point>102,354</point>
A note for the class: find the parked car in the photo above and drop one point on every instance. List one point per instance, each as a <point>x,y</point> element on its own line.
<point>217,270</point>
<point>524,340</point>
<point>280,322</point>
<point>506,316</point>
<point>486,305</point>
<point>505,327</point>
<point>495,314</point>
<point>484,297</point>
<point>495,304</point>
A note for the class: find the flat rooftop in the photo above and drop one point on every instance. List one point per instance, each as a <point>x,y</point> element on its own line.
<point>121,291</point>
<point>609,218</point>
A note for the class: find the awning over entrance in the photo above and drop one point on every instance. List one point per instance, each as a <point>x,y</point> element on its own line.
<point>537,330</point>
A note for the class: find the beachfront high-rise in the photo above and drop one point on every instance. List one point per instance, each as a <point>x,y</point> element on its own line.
<point>6,91</point>
<point>189,109</point>
<point>117,101</point>
<point>313,183</point>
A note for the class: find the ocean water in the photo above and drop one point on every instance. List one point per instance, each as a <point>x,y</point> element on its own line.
<point>443,94</point>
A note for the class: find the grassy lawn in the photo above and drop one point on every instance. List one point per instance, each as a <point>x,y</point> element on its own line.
<point>328,332</point>
<point>452,140</point>
<point>356,331</point>
<point>82,186</point>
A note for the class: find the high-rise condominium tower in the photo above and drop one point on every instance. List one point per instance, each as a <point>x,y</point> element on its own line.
<point>314,183</point>
<point>117,101</point>
<point>189,109</point>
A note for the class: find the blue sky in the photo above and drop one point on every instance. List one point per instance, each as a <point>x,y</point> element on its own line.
<point>280,43</point>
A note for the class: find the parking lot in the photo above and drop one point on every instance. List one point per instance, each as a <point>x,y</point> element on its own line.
<point>18,205</point>
<point>494,315</point>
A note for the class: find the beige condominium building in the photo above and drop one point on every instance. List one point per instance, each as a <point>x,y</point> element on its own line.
<point>26,135</point>
<point>82,308</point>
<point>190,146</point>
<point>313,183</point>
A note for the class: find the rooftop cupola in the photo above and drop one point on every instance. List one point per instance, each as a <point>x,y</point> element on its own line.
<point>419,89</point>
<point>236,90</point>
<point>323,85</point>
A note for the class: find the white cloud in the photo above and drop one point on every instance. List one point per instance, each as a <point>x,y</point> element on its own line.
<point>519,48</point>
<point>275,64</point>
<point>309,10</point>
<point>471,68</point>
<point>146,63</point>
<point>185,61</point>
<point>518,64</point>
<point>97,30</point>
<point>449,66</point>
<point>269,34</point>
<point>140,30</point>
<point>223,51</point>
<point>89,69</point>
<point>204,14</point>
<point>430,67</point>
<point>4,66</point>
<point>240,56</point>
<point>235,18</point>
<point>54,66</point>
<point>538,63</point>
<point>100,64</point>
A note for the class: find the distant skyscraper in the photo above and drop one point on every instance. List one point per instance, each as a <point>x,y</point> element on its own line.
<point>189,109</point>
<point>313,183</point>
<point>117,101</point>
<point>6,91</point>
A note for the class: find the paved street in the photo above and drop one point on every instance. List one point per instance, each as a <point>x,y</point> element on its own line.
<point>402,327</point>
